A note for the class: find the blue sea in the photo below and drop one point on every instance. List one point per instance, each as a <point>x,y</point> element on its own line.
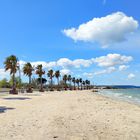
<point>131,95</point>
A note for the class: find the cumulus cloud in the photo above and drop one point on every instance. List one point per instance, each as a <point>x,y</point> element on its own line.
<point>123,67</point>
<point>88,75</point>
<point>131,76</point>
<point>50,65</point>
<point>105,71</point>
<point>64,62</point>
<point>65,71</point>
<point>109,60</point>
<point>112,60</point>
<point>3,73</point>
<point>77,63</point>
<point>106,30</point>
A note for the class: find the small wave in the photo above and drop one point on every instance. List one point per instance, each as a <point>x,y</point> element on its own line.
<point>129,96</point>
<point>125,94</point>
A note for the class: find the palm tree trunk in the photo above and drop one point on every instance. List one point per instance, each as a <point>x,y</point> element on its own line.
<point>70,85</point>
<point>13,91</point>
<point>81,86</point>
<point>13,81</point>
<point>41,83</point>
<point>29,80</point>
<point>29,88</point>
<point>65,85</point>
<point>58,83</point>
<point>51,83</point>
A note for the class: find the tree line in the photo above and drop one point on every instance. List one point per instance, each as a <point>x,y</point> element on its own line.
<point>11,64</point>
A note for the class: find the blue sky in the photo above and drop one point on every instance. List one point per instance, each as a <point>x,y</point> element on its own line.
<point>34,31</point>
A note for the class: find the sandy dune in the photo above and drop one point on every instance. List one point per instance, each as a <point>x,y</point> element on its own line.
<point>70,115</point>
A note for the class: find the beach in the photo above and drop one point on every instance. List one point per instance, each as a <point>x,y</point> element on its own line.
<point>67,115</point>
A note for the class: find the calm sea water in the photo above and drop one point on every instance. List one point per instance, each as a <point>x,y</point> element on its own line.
<point>131,95</point>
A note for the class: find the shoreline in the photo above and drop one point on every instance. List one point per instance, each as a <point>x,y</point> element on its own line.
<point>123,99</point>
<point>119,100</point>
<point>68,115</point>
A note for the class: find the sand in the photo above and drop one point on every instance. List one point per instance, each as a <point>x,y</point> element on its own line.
<point>69,115</point>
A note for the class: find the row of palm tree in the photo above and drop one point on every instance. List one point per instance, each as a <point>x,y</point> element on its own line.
<point>11,63</point>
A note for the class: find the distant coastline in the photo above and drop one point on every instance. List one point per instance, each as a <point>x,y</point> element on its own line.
<point>116,86</point>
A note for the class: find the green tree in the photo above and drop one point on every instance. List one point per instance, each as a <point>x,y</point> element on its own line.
<point>4,83</point>
<point>11,64</point>
<point>40,72</point>
<point>27,70</point>
<point>17,82</point>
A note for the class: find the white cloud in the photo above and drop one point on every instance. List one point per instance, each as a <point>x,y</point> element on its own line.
<point>104,61</point>
<point>105,30</point>
<point>105,71</point>
<point>82,62</point>
<point>88,75</point>
<point>22,63</point>
<point>123,67</point>
<point>3,73</point>
<point>65,71</point>
<point>44,64</point>
<point>50,65</point>
<point>131,76</point>
<point>77,63</point>
<point>64,62</point>
<point>112,60</point>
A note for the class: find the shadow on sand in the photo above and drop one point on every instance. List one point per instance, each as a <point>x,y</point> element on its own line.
<point>3,109</point>
<point>17,98</point>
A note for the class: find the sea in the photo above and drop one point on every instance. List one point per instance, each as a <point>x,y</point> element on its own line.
<point>130,95</point>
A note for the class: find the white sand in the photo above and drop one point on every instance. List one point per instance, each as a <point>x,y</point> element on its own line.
<point>70,115</point>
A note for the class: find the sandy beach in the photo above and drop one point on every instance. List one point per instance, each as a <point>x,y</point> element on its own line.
<point>68,115</point>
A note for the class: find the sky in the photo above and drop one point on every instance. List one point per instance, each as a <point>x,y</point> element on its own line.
<point>93,39</point>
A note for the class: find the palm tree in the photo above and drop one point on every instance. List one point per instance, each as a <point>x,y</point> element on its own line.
<point>83,83</point>
<point>80,80</point>
<point>77,81</point>
<point>57,75</point>
<point>40,72</point>
<point>73,80</point>
<point>69,79</point>
<point>65,78</point>
<point>87,83</point>
<point>27,70</point>
<point>11,63</point>
<point>51,75</point>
